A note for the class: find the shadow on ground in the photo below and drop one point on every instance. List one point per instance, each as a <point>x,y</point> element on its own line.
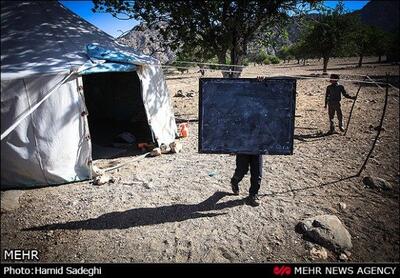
<point>303,137</point>
<point>148,216</point>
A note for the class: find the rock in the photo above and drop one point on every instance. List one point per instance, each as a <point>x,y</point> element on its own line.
<point>164,148</point>
<point>190,94</point>
<point>96,171</point>
<point>148,40</point>
<point>10,200</point>
<point>377,183</point>
<point>155,152</point>
<point>212,174</point>
<point>319,253</point>
<point>343,257</point>
<point>327,231</point>
<point>176,147</point>
<point>49,233</point>
<point>179,94</point>
<point>342,206</point>
<point>99,180</point>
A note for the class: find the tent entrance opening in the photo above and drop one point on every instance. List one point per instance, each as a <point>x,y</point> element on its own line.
<point>115,106</point>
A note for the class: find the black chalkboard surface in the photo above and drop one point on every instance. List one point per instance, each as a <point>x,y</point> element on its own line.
<point>247,116</point>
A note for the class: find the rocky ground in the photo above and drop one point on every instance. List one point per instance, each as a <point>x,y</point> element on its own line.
<point>178,207</point>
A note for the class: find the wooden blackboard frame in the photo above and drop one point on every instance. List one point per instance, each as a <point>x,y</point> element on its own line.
<point>201,94</point>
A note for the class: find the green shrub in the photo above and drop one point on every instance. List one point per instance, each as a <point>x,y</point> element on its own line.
<point>274,59</point>
<point>245,62</point>
<point>266,61</point>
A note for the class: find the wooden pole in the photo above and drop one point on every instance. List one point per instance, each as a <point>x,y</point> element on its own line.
<point>352,107</point>
<point>379,127</point>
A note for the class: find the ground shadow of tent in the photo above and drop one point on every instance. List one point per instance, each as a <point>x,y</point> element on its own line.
<point>148,216</point>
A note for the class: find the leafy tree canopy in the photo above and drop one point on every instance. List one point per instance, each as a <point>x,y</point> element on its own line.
<point>213,28</point>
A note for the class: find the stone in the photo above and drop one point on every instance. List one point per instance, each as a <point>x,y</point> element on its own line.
<point>10,200</point>
<point>347,253</point>
<point>343,257</point>
<point>164,148</point>
<point>190,94</point>
<point>179,94</point>
<point>377,183</point>
<point>327,231</point>
<point>342,206</point>
<point>319,253</point>
<point>99,180</point>
<point>176,147</point>
<point>96,171</point>
<point>155,152</point>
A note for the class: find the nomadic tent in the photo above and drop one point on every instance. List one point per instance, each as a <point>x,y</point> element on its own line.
<point>62,82</point>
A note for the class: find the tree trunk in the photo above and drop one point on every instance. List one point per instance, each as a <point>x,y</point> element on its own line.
<point>325,62</point>
<point>380,59</point>
<point>222,60</point>
<point>298,61</point>
<point>236,58</point>
<point>304,62</point>
<point>360,60</point>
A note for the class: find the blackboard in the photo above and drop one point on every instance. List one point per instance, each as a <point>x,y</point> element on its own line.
<point>246,115</point>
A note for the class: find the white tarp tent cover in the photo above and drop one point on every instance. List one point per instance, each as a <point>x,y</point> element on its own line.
<point>42,42</point>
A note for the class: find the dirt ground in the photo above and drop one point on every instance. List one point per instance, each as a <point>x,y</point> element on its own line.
<point>178,207</point>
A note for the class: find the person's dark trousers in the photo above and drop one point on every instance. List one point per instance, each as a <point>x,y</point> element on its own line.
<point>334,107</point>
<point>243,162</point>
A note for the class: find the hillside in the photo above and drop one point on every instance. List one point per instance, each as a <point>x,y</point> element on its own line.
<point>381,14</point>
<point>149,42</point>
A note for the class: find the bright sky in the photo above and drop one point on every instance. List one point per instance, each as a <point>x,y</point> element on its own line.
<point>113,26</point>
<point>103,21</point>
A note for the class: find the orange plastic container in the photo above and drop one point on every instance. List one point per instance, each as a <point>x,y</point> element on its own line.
<point>183,130</point>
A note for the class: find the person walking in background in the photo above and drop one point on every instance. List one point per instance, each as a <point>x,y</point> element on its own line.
<point>332,101</point>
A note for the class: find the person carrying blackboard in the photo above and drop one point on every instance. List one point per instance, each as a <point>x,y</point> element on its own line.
<point>332,101</point>
<point>243,162</point>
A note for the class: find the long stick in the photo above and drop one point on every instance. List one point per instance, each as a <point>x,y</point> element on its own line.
<point>379,128</point>
<point>352,107</point>
<point>125,163</point>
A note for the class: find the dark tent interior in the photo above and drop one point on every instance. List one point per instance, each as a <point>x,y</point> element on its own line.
<point>115,106</point>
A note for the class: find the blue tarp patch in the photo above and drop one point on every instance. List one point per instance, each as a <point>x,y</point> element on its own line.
<point>107,67</point>
<point>111,61</point>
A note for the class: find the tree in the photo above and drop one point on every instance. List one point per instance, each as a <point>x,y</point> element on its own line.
<point>284,53</point>
<point>393,52</point>
<point>328,36</point>
<point>368,40</point>
<point>217,27</point>
<point>364,42</point>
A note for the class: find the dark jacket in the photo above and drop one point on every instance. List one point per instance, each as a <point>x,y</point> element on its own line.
<point>334,93</point>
